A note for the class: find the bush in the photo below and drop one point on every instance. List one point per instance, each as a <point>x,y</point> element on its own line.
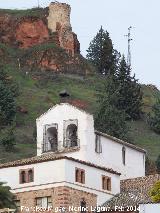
<point>7,139</point>
<point>150,167</point>
<point>154,118</point>
<point>155,193</point>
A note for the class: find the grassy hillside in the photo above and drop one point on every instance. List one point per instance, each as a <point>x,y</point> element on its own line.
<point>39,92</point>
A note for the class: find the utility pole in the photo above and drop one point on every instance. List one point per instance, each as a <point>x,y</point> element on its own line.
<point>38,4</point>
<point>129,46</point>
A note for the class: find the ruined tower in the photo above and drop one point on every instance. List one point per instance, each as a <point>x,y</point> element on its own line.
<point>59,22</point>
<point>59,16</point>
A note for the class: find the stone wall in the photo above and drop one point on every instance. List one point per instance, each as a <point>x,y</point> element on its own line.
<point>59,16</point>
<point>61,197</point>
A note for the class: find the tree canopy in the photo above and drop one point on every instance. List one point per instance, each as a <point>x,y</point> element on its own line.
<point>154,117</point>
<point>6,197</point>
<point>155,193</point>
<point>9,90</point>
<point>130,95</point>
<point>101,53</point>
<point>108,117</point>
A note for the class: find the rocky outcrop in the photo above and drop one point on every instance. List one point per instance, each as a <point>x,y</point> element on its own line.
<point>47,34</point>
<point>53,27</point>
<point>31,32</point>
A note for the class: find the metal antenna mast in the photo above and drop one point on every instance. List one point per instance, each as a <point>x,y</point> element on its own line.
<point>129,46</point>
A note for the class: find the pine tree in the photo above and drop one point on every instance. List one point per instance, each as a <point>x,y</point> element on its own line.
<point>154,118</point>
<point>158,164</point>
<point>7,105</point>
<point>7,138</point>
<point>9,90</point>
<point>130,95</point>
<point>101,53</point>
<point>108,118</point>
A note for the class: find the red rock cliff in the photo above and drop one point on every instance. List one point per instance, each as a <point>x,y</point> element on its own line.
<point>28,31</point>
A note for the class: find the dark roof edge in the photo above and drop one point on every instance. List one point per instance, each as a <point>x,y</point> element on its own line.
<point>33,160</point>
<point>121,141</point>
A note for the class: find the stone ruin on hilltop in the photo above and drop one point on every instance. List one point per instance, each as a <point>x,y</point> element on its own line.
<point>30,30</point>
<point>45,37</point>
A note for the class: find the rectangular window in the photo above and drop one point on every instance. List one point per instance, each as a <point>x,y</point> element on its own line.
<point>106,183</point>
<point>26,175</point>
<point>80,175</point>
<point>44,202</point>
<point>98,145</point>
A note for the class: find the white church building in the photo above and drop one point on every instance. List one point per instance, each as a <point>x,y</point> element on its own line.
<point>75,164</point>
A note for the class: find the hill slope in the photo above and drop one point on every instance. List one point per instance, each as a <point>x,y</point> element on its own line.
<point>39,92</point>
<point>44,69</point>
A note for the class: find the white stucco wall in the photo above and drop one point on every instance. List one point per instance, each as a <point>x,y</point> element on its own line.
<point>44,173</point>
<point>61,173</point>
<point>111,155</point>
<point>93,180</point>
<point>149,208</point>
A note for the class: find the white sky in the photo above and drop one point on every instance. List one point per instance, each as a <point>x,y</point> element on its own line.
<point>116,16</point>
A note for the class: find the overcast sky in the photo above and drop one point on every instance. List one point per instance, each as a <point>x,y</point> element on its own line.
<point>116,16</point>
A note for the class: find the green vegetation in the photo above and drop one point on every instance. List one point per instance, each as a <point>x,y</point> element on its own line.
<point>109,118</point>
<point>129,92</point>
<point>34,12</point>
<point>9,91</point>
<point>150,166</point>
<point>101,53</point>
<point>121,98</point>
<point>6,197</point>
<point>7,105</point>
<point>7,138</point>
<point>39,91</point>
<point>155,193</point>
<point>154,117</point>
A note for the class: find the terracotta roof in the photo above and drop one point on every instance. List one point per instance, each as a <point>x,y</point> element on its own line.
<point>121,141</point>
<point>125,199</point>
<point>134,192</point>
<point>53,157</point>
